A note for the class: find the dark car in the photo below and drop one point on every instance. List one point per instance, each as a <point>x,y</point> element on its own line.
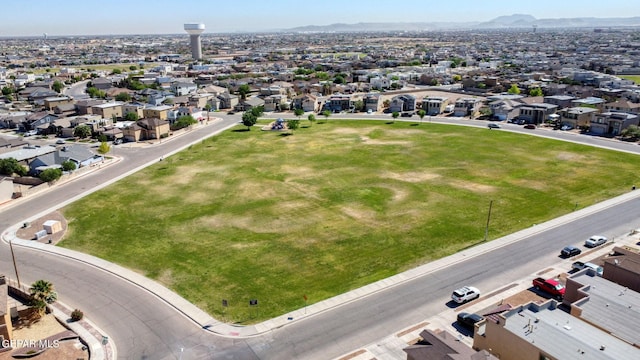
<point>406,114</point>
<point>529,126</point>
<point>468,320</point>
<point>570,251</point>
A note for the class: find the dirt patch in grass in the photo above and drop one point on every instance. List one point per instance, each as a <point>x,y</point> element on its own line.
<point>567,156</point>
<point>412,177</point>
<point>471,186</point>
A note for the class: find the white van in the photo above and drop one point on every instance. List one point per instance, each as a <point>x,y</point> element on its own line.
<point>598,269</point>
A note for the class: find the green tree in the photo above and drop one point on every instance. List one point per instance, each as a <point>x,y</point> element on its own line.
<point>395,115</point>
<point>68,165</point>
<point>631,133</point>
<point>293,124</point>
<point>131,116</point>
<point>311,118</point>
<point>57,86</point>
<point>116,71</point>
<point>249,119</point>
<point>536,92</point>
<point>184,121</point>
<point>42,293</point>
<point>298,113</point>
<point>339,79</point>
<point>208,108</point>
<point>10,166</point>
<point>104,148</point>
<point>514,89</point>
<point>50,175</point>
<point>421,114</point>
<point>257,111</point>
<point>326,115</point>
<point>168,101</point>
<point>133,68</point>
<point>6,90</point>
<point>243,90</point>
<point>457,78</point>
<point>123,96</point>
<point>82,131</point>
<point>358,105</point>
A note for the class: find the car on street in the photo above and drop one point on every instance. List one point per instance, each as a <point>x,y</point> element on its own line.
<point>529,126</point>
<point>464,294</point>
<point>117,141</point>
<point>493,126</point>
<point>595,240</point>
<point>407,114</point>
<point>566,127</point>
<point>569,251</point>
<point>468,320</point>
<point>60,142</point>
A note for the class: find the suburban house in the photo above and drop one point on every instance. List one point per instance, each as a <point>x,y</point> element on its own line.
<point>434,105</point>
<point>623,105</point>
<point>52,102</point>
<point>443,345</point>
<point>249,103</point>
<point>338,103</point>
<point>102,83</point>
<point>78,154</point>
<point>108,110</point>
<point>307,102</point>
<point>200,100</point>
<point>135,108</point>
<point>504,109</point>
<point>146,129</point>
<point>6,194</point>
<point>84,107</point>
<point>371,102</point>
<point>159,112</point>
<point>274,102</point>
<point>65,109</point>
<point>536,113</point>
<point>562,101</point>
<point>183,88</point>
<point>33,121</point>
<point>403,103</point>
<point>594,102</point>
<point>612,123</point>
<point>228,101</point>
<point>577,116</point>
<point>467,107</point>
<point>26,154</point>
<point>38,95</point>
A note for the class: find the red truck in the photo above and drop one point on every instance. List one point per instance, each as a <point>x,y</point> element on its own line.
<point>550,286</point>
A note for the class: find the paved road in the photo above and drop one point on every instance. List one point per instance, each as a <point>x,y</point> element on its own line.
<point>144,327</point>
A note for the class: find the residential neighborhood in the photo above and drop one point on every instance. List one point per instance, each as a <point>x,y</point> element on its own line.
<point>73,106</point>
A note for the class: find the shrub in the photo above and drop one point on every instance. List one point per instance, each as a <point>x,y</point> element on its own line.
<point>76,315</point>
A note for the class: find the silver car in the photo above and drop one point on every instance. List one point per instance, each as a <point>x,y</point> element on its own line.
<point>595,240</point>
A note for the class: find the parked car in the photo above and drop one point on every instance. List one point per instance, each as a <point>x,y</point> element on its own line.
<point>60,142</point>
<point>579,265</point>
<point>566,127</point>
<point>468,320</point>
<point>529,126</point>
<point>595,240</point>
<point>117,141</point>
<point>570,251</point>
<point>550,286</point>
<point>407,114</point>
<point>493,126</point>
<point>464,294</point>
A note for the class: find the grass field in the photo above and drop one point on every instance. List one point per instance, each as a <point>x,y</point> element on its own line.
<point>338,205</point>
<point>634,78</point>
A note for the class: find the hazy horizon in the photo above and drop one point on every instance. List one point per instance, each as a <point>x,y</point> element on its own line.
<point>120,17</point>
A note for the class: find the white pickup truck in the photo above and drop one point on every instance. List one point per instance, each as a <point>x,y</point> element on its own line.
<point>579,265</point>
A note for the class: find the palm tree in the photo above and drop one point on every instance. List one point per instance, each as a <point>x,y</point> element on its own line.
<point>42,293</point>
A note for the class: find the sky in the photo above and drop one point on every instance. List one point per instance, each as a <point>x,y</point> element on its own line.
<point>74,17</point>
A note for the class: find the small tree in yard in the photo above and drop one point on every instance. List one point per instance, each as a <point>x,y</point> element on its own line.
<point>311,118</point>
<point>82,131</point>
<point>298,113</point>
<point>395,115</point>
<point>11,166</point>
<point>293,125</point>
<point>249,119</point>
<point>50,175</point>
<point>184,121</point>
<point>68,165</point>
<point>104,148</point>
<point>42,293</point>
<point>421,114</point>
<point>326,115</point>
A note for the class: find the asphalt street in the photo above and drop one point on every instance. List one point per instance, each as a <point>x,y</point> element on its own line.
<point>143,326</point>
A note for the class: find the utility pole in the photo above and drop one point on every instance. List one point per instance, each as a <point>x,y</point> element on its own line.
<point>486,230</point>
<point>13,257</point>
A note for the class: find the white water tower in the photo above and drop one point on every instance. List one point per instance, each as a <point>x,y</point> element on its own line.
<point>194,31</point>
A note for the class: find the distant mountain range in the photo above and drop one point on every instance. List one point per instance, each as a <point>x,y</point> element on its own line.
<point>502,22</point>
